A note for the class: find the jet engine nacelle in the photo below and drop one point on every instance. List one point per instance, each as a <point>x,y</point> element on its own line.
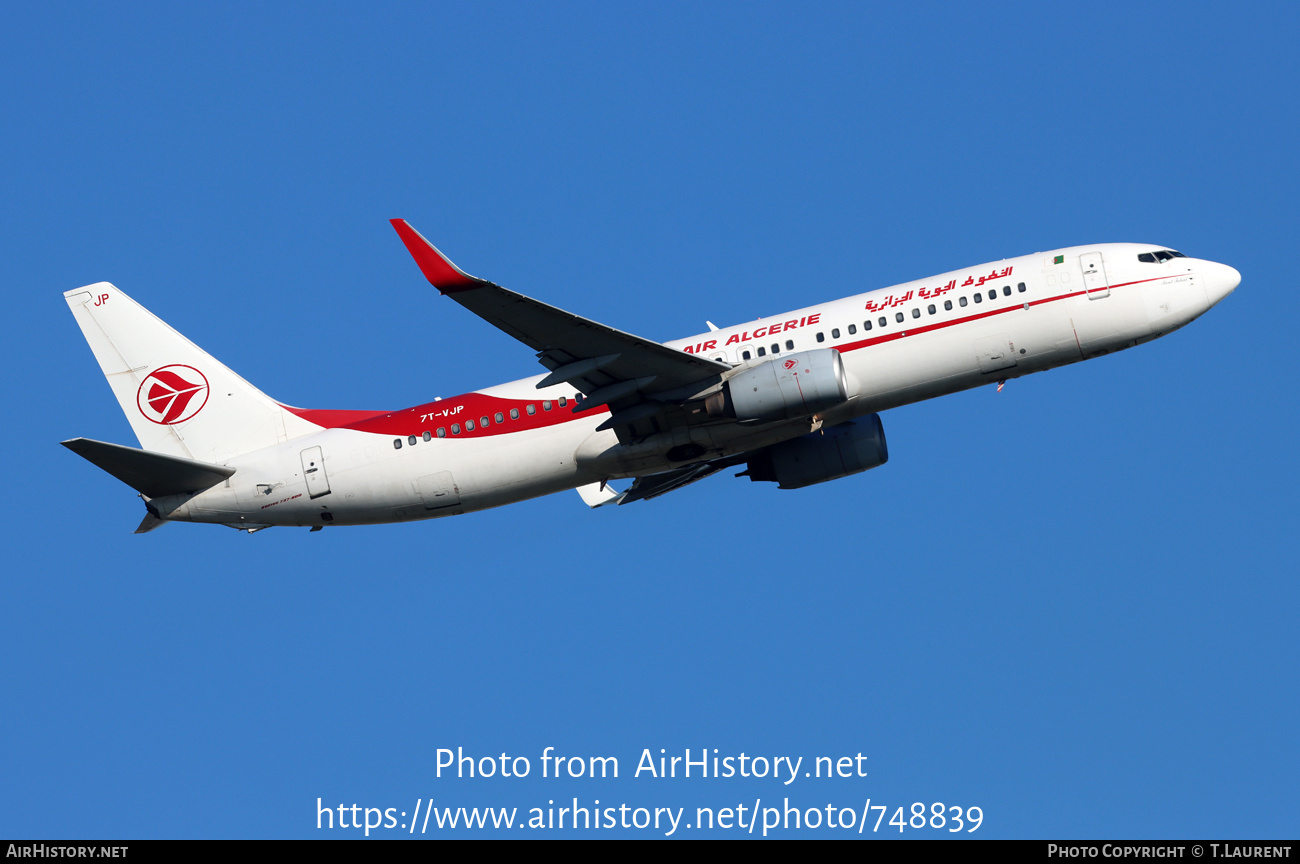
<point>783,388</point>
<point>849,448</point>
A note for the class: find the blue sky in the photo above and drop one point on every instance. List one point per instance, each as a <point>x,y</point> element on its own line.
<point>1071,604</point>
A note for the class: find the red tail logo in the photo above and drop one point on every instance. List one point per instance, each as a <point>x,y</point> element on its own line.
<point>790,364</point>
<point>172,394</point>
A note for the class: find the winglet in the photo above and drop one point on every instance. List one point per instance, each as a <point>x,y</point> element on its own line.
<point>441,273</point>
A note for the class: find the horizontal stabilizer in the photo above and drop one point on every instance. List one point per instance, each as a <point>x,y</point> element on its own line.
<point>149,523</point>
<point>154,474</point>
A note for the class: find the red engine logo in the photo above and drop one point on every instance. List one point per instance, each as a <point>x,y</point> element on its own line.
<point>172,394</point>
<point>790,364</point>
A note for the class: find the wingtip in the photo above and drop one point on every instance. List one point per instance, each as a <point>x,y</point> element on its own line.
<point>436,267</point>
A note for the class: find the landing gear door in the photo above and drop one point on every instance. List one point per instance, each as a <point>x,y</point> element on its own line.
<point>1094,275</point>
<point>313,468</point>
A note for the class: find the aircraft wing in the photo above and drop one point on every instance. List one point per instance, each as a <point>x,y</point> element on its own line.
<point>608,366</point>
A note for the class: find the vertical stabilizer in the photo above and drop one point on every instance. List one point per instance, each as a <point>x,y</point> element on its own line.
<point>178,398</point>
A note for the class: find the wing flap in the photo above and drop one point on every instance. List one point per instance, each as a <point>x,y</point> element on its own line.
<point>654,485</point>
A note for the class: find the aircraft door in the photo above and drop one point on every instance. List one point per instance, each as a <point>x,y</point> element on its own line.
<point>1094,275</point>
<point>313,469</point>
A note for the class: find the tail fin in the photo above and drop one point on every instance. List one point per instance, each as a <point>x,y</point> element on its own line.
<point>178,398</point>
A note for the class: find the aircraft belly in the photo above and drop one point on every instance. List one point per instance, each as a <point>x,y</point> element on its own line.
<point>447,477</point>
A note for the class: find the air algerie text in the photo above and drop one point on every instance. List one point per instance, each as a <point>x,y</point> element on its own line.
<point>705,764</point>
<point>759,333</point>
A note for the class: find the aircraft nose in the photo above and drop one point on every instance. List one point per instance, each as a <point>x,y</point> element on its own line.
<point>1220,280</point>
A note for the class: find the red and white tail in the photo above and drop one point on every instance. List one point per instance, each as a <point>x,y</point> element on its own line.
<point>177,397</point>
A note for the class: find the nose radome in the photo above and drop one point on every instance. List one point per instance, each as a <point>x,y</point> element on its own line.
<point>1220,280</point>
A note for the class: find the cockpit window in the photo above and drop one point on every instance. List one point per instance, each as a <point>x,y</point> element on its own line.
<point>1160,257</point>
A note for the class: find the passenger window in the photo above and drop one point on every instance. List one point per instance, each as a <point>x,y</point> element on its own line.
<point>979,298</point>
<point>469,425</point>
<point>411,439</point>
<point>1021,287</point>
<point>531,408</point>
<point>1006,290</point>
<point>947,305</point>
<point>789,344</point>
<point>853,328</point>
<point>514,413</point>
<point>546,405</point>
<point>916,313</point>
<point>835,334</point>
<point>483,422</point>
<point>563,401</point>
<point>776,348</point>
<point>762,352</point>
<point>745,355</point>
<point>455,428</point>
<point>866,325</point>
<point>442,431</point>
<point>397,443</point>
<point>899,317</point>
<point>993,294</point>
<point>427,436</point>
<point>499,417</point>
<point>961,301</point>
<point>883,320</point>
<point>821,337</point>
<point>930,309</point>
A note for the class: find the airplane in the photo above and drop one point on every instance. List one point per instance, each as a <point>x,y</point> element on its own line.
<point>794,398</point>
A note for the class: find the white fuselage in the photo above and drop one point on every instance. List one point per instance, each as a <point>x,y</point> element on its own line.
<point>899,345</point>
